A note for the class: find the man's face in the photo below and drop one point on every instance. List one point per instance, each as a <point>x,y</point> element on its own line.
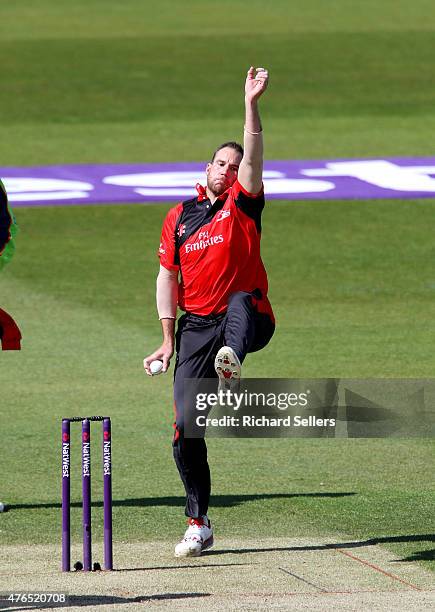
<point>222,171</point>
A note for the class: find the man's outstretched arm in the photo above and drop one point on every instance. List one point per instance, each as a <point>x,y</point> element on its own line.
<point>166,297</point>
<point>250,174</point>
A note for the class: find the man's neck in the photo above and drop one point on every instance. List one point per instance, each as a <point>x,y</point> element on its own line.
<point>211,196</point>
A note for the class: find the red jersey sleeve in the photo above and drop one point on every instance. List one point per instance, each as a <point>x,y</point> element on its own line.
<point>238,189</point>
<point>167,250</point>
<point>251,204</point>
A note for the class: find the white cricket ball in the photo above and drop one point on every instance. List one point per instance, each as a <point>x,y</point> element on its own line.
<point>156,367</point>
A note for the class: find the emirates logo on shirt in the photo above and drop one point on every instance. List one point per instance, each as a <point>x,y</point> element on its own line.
<point>204,242</point>
<point>181,230</point>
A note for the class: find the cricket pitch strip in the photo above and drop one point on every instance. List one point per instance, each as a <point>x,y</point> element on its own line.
<point>237,574</point>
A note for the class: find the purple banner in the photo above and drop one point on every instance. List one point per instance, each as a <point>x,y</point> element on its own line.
<point>172,182</point>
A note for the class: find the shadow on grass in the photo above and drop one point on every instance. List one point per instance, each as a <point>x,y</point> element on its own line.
<point>217,501</point>
<point>426,537</point>
<point>421,555</point>
<point>95,600</point>
<point>182,566</point>
<point>106,600</point>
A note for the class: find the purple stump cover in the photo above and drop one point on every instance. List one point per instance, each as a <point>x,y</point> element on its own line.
<point>107,479</point>
<point>86,487</point>
<point>66,460</point>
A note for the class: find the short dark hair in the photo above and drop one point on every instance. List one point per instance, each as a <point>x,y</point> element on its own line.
<point>231,145</point>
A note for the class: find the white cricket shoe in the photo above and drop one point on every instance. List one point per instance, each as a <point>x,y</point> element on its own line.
<point>198,537</point>
<point>228,368</point>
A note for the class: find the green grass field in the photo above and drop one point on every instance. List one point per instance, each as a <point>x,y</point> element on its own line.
<point>352,283</point>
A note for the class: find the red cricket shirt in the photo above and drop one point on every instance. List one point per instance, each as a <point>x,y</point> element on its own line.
<point>216,248</point>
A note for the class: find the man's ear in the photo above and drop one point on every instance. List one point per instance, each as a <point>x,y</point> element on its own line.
<point>207,168</point>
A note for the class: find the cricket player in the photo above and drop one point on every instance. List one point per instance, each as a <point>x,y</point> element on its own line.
<point>10,335</point>
<point>210,266</point>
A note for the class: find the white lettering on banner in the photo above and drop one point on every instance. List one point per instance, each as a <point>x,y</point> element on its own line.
<point>381,173</point>
<point>296,186</point>
<point>181,178</point>
<point>28,189</point>
<point>185,178</point>
<point>177,184</point>
<point>181,183</point>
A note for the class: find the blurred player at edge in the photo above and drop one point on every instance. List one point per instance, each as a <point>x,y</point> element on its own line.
<point>210,265</point>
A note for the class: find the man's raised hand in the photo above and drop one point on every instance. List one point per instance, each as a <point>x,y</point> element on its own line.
<point>257,80</point>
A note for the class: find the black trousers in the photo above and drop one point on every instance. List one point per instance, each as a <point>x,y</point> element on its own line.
<point>198,339</point>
